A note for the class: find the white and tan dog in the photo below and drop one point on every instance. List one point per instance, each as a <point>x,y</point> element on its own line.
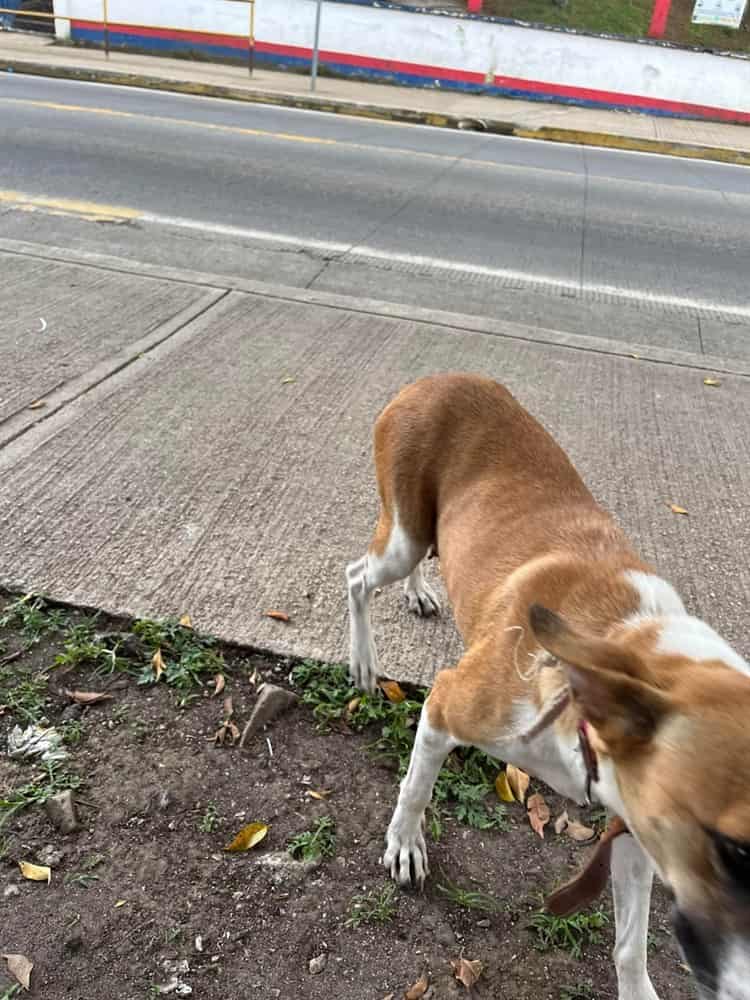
<point>556,609</point>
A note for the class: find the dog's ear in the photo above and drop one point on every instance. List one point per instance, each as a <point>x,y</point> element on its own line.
<point>609,683</point>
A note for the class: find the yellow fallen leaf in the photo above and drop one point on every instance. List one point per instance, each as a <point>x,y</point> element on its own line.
<point>36,873</point>
<point>219,685</point>
<point>392,691</point>
<point>503,789</point>
<point>157,663</point>
<point>120,902</point>
<point>248,837</point>
<point>580,833</point>
<point>538,813</point>
<point>518,781</point>
<point>87,697</point>
<point>467,972</point>
<point>37,405</point>
<point>20,967</point>
<point>712,381</point>
<point>186,621</point>
<point>676,509</point>
<point>322,794</point>
<point>418,989</point>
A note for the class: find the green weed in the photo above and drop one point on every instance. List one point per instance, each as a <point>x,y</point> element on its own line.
<point>72,732</point>
<point>53,779</point>
<point>571,934</point>
<point>10,991</point>
<point>315,844</point>
<point>189,659</point>
<point>468,899</point>
<point>376,907</point>
<point>26,696</point>
<point>209,820</point>
<point>32,617</point>
<point>81,880</point>
<point>578,991</point>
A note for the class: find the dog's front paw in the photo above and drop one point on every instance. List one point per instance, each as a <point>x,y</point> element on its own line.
<point>406,856</point>
<point>363,665</point>
<point>421,599</point>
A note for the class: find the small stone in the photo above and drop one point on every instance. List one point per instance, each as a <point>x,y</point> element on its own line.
<point>198,942</point>
<point>316,965</point>
<point>74,943</point>
<point>176,966</point>
<point>444,936</point>
<point>483,923</point>
<point>50,856</point>
<point>11,890</point>
<point>71,712</point>
<point>61,810</point>
<point>272,701</point>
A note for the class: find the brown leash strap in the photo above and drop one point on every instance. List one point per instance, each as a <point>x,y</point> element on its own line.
<point>585,887</point>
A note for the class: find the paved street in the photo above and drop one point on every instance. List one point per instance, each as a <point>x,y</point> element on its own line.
<point>642,248</point>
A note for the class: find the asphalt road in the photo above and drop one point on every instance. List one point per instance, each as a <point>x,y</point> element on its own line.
<point>620,245</point>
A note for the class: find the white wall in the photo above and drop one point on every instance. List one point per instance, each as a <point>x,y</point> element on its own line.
<point>454,43</point>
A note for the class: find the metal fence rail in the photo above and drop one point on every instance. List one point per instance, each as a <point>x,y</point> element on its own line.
<point>16,12</point>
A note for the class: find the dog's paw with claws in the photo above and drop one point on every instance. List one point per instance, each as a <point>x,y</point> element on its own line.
<point>406,857</point>
<point>422,600</point>
<point>363,666</point>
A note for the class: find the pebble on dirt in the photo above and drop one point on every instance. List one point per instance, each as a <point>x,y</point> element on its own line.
<point>272,701</point>
<point>317,964</point>
<point>61,809</point>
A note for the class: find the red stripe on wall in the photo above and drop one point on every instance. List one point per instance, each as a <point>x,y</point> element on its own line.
<point>659,18</point>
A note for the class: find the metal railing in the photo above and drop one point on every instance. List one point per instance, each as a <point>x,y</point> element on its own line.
<point>18,13</point>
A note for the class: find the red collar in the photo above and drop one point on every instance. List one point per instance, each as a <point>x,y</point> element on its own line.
<point>590,760</point>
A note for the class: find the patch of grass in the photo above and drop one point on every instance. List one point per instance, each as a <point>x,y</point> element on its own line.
<point>376,907</point>
<point>209,821</point>
<point>465,781</point>
<point>578,991</point>
<point>81,648</point>
<point>10,991</point>
<point>189,659</point>
<point>72,732</point>
<point>468,899</point>
<point>33,618</point>
<point>81,880</point>
<point>617,17</point>
<point>52,779</point>
<point>316,844</point>
<point>26,696</point>
<point>571,934</point>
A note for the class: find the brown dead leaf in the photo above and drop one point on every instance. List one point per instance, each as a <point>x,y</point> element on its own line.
<point>676,509</point>
<point>467,972</point>
<point>322,794</point>
<point>248,837</point>
<point>219,685</point>
<point>37,405</point>
<point>228,707</point>
<point>392,691</point>
<point>561,822</point>
<point>518,781</point>
<point>580,833</point>
<point>20,967</point>
<point>712,381</point>
<point>502,787</point>
<point>186,621</point>
<point>418,989</point>
<point>279,616</point>
<point>87,697</point>
<point>157,663</point>
<point>538,813</point>
<point>36,873</point>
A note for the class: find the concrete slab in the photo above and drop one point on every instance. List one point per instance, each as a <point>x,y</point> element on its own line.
<point>63,327</point>
<point>197,479</point>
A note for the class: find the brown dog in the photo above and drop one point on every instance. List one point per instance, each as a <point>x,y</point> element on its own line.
<point>664,701</point>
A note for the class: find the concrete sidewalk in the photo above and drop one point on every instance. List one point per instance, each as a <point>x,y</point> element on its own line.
<point>526,119</point>
<point>203,445</point>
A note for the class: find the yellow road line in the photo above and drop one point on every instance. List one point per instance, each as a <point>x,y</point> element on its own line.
<point>69,206</point>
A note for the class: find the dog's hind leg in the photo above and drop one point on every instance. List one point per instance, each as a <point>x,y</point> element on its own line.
<point>392,555</point>
<point>632,875</point>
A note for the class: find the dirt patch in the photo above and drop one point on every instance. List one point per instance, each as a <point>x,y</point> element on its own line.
<point>143,896</point>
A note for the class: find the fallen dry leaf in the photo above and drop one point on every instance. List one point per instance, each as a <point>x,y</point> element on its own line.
<point>87,697</point>
<point>418,989</point>
<point>503,789</point>
<point>582,834</point>
<point>157,663</point>
<point>561,822</point>
<point>280,616</point>
<point>467,972</point>
<point>36,873</point>
<point>352,707</point>
<point>518,781</point>
<point>37,405</point>
<point>676,509</point>
<point>119,903</point>
<point>186,621</point>
<point>322,794</point>
<point>392,691</point>
<point>248,837</point>
<point>538,813</point>
<point>20,967</point>
<point>289,379</point>
<point>219,685</point>
<point>712,381</point>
